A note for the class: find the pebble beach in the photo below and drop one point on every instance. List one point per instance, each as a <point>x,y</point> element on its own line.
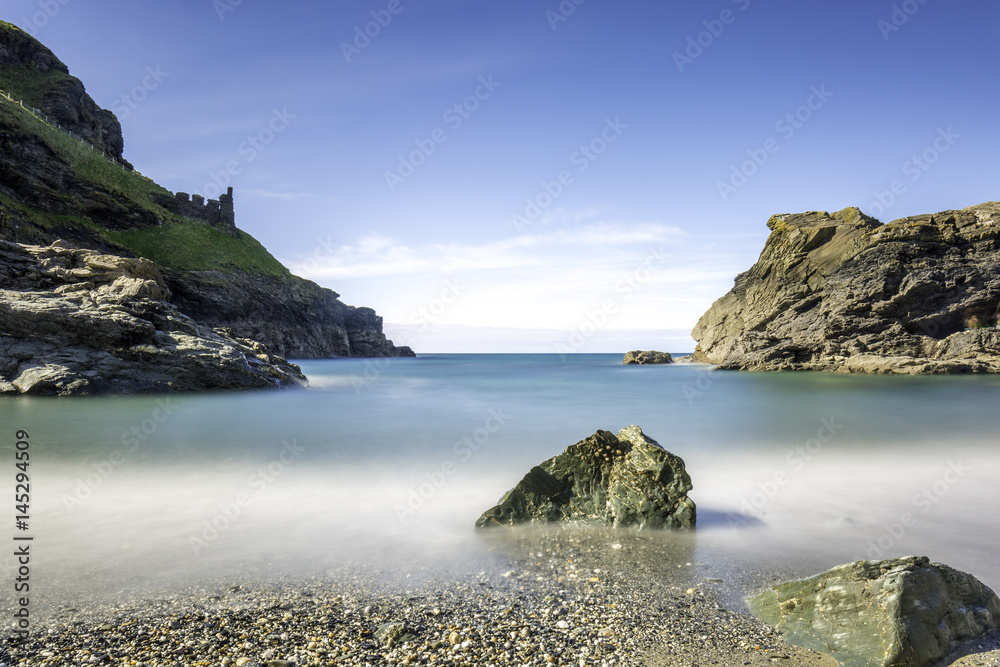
<point>531,597</point>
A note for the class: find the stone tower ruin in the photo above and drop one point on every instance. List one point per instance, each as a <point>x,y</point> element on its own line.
<point>219,213</point>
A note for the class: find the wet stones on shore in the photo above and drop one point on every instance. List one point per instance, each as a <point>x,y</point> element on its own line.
<point>560,597</point>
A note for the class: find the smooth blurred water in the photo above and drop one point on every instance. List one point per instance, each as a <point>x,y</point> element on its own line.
<point>397,458</point>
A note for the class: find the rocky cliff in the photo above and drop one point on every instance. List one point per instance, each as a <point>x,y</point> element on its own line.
<point>844,292</point>
<point>53,187</point>
<point>294,317</point>
<point>33,74</point>
<point>80,322</point>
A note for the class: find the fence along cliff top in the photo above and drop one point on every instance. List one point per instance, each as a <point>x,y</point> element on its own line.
<point>219,212</point>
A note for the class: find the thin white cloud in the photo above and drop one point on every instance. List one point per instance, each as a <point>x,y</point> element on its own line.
<point>271,194</point>
<point>593,246</point>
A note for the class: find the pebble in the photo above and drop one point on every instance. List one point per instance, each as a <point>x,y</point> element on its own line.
<point>535,600</point>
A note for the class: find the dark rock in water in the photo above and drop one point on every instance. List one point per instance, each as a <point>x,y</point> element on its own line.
<point>648,357</point>
<point>844,292</point>
<point>904,611</point>
<point>607,479</point>
<point>80,322</point>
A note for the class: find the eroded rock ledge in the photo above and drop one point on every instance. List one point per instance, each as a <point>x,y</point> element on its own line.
<point>77,321</point>
<point>844,292</point>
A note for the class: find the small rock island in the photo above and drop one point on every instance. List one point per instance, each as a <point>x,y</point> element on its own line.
<point>647,357</point>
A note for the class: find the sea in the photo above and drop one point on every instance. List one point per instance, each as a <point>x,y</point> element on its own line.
<point>393,460</point>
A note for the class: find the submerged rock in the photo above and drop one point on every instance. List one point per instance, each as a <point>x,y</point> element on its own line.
<point>78,321</point>
<point>618,480</point>
<point>904,611</point>
<point>648,357</point>
<point>844,292</point>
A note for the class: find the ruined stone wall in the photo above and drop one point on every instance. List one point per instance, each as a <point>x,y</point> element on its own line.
<point>220,213</point>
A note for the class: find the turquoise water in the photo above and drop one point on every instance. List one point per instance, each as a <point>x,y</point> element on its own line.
<point>401,456</point>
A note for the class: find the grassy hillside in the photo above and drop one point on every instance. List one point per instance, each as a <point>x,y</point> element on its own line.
<point>164,237</point>
<point>29,84</point>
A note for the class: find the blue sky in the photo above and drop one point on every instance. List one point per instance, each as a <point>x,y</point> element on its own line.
<point>541,176</point>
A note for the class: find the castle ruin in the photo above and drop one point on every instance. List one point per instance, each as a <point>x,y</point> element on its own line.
<point>218,213</point>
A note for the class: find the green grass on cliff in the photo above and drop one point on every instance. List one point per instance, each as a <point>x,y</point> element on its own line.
<point>29,84</point>
<point>178,243</point>
<point>88,164</point>
<point>186,245</point>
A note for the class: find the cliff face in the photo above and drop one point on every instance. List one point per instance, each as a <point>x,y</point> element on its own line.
<point>844,292</point>
<point>296,318</point>
<point>33,74</point>
<point>52,188</point>
<point>80,322</point>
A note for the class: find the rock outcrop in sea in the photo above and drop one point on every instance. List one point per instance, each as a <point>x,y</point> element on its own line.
<point>76,321</point>
<point>647,357</point>
<point>904,611</point>
<point>845,292</point>
<point>626,479</point>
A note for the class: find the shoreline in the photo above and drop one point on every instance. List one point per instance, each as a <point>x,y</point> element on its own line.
<point>540,596</point>
<point>576,597</point>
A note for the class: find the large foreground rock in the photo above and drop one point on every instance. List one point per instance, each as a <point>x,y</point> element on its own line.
<point>80,322</point>
<point>617,480</point>
<point>844,292</point>
<point>905,611</point>
<point>647,357</point>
